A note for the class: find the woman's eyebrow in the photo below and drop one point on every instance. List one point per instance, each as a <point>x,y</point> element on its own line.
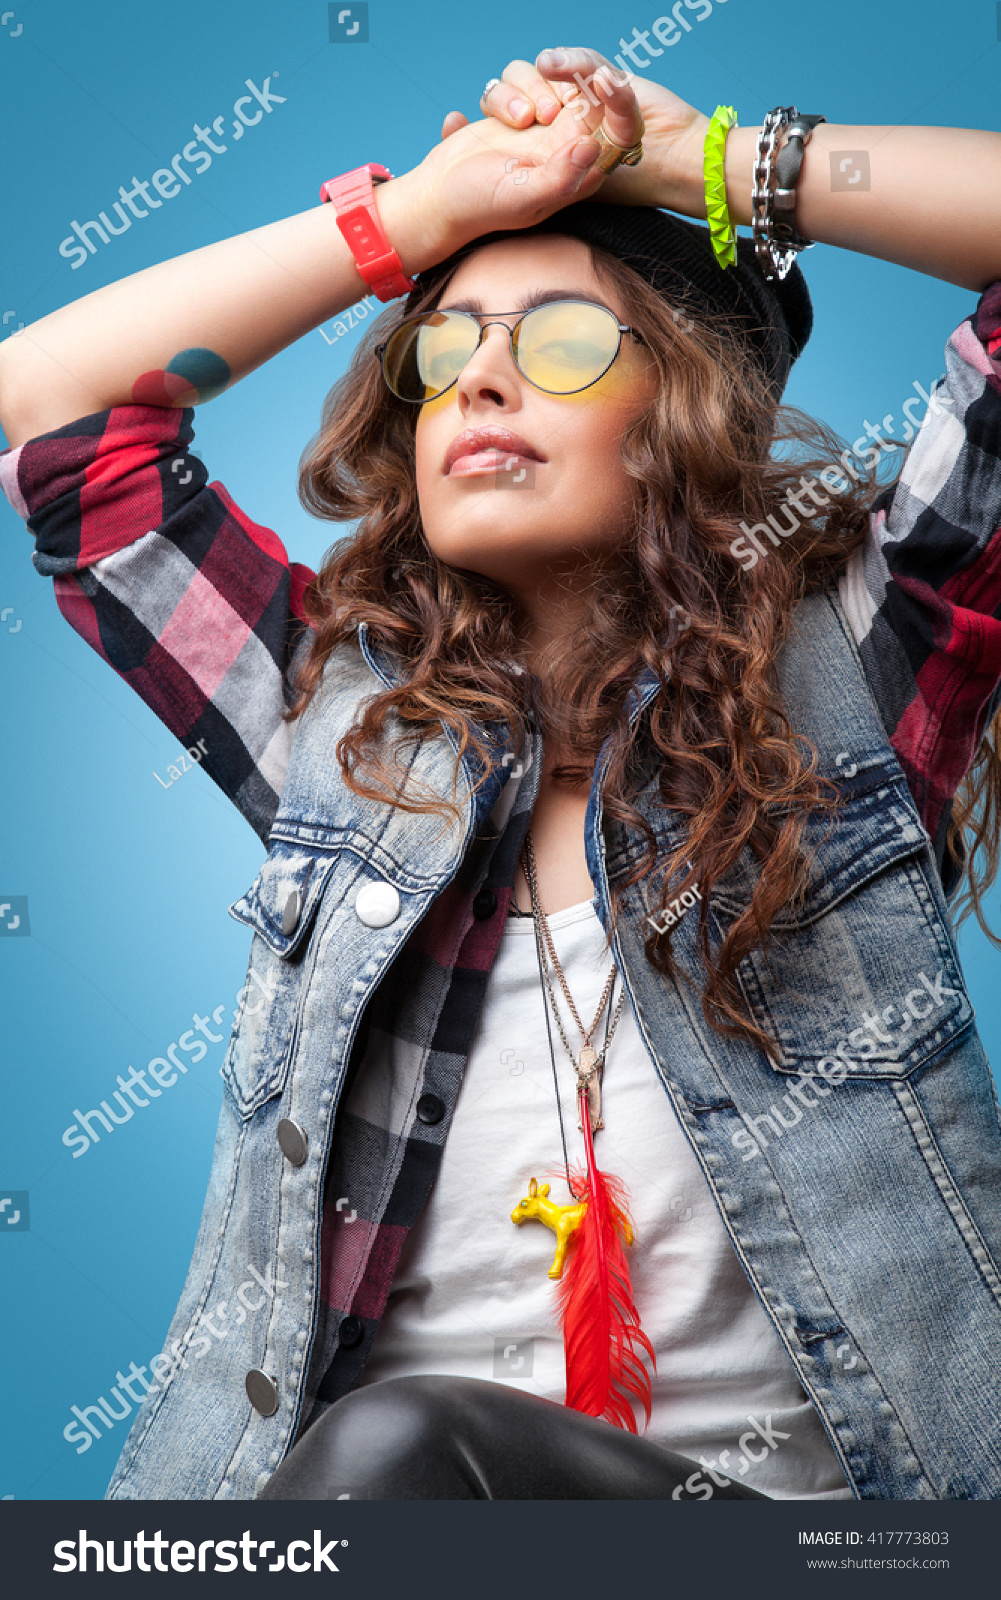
<point>540,297</point>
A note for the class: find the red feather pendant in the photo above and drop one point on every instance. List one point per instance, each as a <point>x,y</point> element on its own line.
<point>602,1336</point>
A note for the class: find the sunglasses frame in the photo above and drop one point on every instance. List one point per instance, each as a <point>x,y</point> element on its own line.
<point>494,318</point>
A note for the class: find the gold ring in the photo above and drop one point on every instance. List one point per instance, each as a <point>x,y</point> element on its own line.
<point>613,155</point>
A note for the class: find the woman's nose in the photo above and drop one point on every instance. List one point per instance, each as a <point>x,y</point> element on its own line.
<point>490,376</point>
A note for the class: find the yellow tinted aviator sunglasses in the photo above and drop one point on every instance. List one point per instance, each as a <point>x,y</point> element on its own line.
<point>560,348</point>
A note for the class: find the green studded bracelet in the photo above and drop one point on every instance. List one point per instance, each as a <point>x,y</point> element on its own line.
<point>721,231</point>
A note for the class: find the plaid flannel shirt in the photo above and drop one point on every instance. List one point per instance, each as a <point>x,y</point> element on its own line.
<point>199,609</point>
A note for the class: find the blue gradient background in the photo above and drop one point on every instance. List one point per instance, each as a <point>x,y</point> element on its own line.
<point>128,883</point>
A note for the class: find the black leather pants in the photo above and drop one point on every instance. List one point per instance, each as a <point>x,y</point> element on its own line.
<point>434,1437</point>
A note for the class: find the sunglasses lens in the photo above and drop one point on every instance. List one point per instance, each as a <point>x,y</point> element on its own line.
<point>424,358</point>
<point>560,348</point>
<point>567,346</point>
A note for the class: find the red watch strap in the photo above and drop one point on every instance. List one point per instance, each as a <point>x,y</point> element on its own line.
<point>353,199</point>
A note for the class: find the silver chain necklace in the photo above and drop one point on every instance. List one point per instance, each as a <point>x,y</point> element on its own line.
<point>588,1062</point>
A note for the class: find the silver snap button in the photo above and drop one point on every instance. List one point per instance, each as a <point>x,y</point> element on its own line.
<point>293,1141</point>
<point>262,1392</point>
<point>292,912</point>
<point>377,904</point>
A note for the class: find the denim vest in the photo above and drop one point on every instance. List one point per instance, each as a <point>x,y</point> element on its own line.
<point>858,1173</point>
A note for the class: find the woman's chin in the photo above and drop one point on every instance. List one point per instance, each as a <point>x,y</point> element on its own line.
<point>496,539</point>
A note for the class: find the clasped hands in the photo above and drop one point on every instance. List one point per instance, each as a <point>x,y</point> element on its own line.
<point>532,152</point>
<point>570,92</point>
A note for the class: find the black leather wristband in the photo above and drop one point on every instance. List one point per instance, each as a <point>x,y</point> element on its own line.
<point>788,165</point>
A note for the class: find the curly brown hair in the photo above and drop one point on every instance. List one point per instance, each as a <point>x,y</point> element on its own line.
<point>703,459</point>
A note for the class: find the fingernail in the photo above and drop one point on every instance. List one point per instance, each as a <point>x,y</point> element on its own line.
<point>518,107</point>
<point>553,58</point>
<point>545,105</point>
<point>585,153</point>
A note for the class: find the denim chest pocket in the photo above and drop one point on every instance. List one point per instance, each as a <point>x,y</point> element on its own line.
<point>860,978</point>
<point>282,906</point>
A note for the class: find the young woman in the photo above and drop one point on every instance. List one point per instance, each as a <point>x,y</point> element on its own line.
<point>563,790</point>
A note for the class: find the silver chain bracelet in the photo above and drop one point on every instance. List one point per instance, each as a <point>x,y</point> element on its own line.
<point>777,244</point>
<point>773,262</point>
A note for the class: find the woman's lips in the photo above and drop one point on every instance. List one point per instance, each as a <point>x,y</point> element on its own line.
<point>485,463</point>
<point>477,452</point>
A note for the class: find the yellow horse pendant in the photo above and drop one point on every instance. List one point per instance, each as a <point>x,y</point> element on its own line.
<point>564,1220</point>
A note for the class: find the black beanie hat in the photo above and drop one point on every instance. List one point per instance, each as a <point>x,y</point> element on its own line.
<point>676,257</point>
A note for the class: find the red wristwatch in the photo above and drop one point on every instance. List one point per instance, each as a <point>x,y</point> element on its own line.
<point>353,197</point>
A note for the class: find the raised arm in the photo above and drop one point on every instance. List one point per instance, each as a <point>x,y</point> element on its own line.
<point>244,299</point>
<point>160,571</point>
<point>931,198</point>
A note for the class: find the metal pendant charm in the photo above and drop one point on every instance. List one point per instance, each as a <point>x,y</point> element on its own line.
<point>587,1077</point>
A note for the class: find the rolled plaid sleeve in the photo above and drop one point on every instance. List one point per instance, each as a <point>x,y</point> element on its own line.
<point>197,607</point>
<point>923,594</point>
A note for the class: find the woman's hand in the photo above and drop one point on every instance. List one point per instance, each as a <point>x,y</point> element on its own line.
<point>670,173</point>
<point>493,175</point>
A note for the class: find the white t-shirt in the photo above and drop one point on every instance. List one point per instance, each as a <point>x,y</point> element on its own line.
<point>472,1297</point>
